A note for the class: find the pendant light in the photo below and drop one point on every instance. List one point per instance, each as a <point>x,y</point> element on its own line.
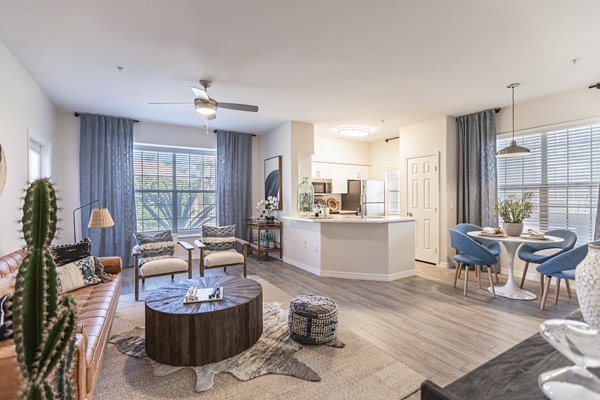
<point>513,150</point>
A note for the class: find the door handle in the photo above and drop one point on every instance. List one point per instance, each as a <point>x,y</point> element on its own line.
<point>409,214</point>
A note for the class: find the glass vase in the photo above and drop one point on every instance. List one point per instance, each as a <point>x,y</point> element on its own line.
<point>306,197</point>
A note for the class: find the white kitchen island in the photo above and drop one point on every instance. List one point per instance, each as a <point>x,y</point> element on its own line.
<point>379,249</point>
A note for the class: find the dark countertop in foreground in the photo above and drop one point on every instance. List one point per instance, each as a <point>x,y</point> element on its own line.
<point>512,375</point>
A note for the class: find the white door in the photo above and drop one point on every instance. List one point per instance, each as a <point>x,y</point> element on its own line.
<point>422,204</point>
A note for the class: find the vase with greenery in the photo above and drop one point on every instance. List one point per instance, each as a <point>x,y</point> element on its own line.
<point>43,324</point>
<point>513,210</point>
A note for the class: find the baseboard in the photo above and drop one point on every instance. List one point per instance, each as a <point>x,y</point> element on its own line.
<point>443,264</point>
<point>305,267</point>
<point>368,277</point>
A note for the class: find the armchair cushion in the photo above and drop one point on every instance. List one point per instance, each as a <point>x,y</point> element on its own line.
<point>218,238</point>
<point>163,266</point>
<point>155,246</point>
<point>217,258</point>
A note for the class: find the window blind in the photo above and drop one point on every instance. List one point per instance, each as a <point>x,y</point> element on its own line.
<point>563,173</point>
<point>174,188</point>
<point>392,184</point>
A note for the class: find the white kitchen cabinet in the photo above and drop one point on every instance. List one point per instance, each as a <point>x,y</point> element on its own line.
<point>362,173</point>
<point>339,178</point>
<point>321,170</point>
<point>339,174</point>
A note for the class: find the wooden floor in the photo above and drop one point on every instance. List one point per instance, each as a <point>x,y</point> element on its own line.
<point>422,321</point>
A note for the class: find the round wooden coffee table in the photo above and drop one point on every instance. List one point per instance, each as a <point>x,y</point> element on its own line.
<point>202,333</point>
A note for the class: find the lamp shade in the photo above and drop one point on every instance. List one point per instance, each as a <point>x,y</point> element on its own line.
<point>100,218</point>
<point>514,150</point>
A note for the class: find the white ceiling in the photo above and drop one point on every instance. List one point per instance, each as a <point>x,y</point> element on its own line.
<point>329,62</point>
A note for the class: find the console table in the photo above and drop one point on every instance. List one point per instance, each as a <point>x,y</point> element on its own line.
<point>513,375</point>
<point>255,227</point>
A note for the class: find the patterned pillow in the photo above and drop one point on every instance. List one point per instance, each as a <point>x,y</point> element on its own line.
<point>218,238</point>
<point>77,274</point>
<point>67,253</point>
<point>154,247</point>
<point>5,316</point>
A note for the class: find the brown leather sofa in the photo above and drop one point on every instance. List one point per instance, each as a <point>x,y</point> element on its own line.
<point>96,307</point>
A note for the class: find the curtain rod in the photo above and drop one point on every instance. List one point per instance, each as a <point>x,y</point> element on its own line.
<point>251,134</point>
<point>78,114</point>
<point>550,125</point>
<point>392,138</point>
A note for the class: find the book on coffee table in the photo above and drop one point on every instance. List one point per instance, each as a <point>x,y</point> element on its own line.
<point>201,295</point>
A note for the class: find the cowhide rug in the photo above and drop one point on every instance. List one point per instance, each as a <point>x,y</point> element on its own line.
<point>272,354</point>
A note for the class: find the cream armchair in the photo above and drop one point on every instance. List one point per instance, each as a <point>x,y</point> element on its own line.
<point>161,266</point>
<point>217,249</point>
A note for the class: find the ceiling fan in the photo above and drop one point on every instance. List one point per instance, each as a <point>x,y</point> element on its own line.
<point>207,106</point>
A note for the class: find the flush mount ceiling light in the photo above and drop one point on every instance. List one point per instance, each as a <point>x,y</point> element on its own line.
<point>513,150</point>
<point>354,132</point>
<point>205,107</point>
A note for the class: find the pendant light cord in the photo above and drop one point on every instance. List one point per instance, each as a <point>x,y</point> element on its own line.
<point>513,112</point>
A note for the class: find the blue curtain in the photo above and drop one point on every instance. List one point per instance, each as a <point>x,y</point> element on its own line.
<point>106,174</point>
<point>234,179</point>
<point>477,186</point>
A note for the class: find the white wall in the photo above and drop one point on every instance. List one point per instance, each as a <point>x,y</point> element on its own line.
<point>173,135</point>
<point>341,151</point>
<point>23,107</point>
<point>384,156</point>
<point>562,108</point>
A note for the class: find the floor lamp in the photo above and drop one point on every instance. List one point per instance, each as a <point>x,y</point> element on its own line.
<point>99,218</point>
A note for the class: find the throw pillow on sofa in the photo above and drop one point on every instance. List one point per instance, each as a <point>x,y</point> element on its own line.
<point>68,253</point>
<point>155,246</point>
<point>77,274</point>
<point>5,316</point>
<point>218,238</point>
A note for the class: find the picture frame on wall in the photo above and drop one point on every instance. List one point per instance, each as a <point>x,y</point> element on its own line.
<point>273,179</point>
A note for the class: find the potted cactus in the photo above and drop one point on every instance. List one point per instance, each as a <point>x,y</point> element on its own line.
<point>43,325</point>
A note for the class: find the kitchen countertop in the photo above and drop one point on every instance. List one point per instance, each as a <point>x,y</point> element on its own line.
<point>352,219</point>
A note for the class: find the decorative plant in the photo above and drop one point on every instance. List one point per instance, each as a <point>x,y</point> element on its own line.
<point>266,206</point>
<point>514,209</point>
<point>44,327</point>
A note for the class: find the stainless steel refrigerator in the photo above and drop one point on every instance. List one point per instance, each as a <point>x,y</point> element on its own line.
<point>369,194</point>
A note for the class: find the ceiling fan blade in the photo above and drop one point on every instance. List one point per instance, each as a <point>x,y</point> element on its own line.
<point>238,107</point>
<point>199,93</point>
<point>172,104</point>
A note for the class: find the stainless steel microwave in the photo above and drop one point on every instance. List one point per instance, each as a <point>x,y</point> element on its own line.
<point>322,186</point>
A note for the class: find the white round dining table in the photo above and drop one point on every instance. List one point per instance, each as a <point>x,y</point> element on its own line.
<point>511,243</point>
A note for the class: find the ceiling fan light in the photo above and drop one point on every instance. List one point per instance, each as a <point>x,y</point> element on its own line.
<point>205,107</point>
<point>354,132</point>
<point>513,150</point>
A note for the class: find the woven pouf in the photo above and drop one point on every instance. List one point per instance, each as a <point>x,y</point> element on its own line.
<point>312,319</point>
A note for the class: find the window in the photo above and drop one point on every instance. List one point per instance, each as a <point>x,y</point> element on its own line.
<point>35,161</point>
<point>39,157</point>
<point>563,173</point>
<point>174,188</point>
<point>392,184</point>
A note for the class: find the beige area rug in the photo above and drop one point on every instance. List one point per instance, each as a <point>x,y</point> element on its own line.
<point>358,371</point>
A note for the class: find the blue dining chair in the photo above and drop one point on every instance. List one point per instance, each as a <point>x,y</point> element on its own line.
<point>492,245</point>
<point>561,267</point>
<point>471,252</point>
<point>528,251</point>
